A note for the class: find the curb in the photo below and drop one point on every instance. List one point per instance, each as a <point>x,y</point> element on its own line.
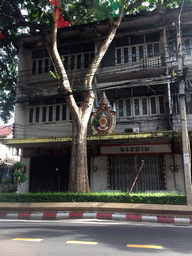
<point>60,215</point>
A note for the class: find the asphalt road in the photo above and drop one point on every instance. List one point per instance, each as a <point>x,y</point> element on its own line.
<point>97,238</point>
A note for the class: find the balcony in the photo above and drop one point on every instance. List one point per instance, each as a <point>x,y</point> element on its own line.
<point>111,71</point>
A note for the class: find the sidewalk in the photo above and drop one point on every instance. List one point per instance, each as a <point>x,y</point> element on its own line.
<point>172,214</point>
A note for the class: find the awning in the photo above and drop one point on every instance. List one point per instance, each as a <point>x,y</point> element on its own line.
<point>131,138</point>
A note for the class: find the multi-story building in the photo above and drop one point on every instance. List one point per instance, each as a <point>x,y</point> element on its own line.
<point>138,75</point>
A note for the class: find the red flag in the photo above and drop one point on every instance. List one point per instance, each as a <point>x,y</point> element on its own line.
<point>1,35</point>
<point>55,2</point>
<point>59,21</point>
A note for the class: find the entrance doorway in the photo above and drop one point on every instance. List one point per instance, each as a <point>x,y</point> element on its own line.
<point>49,173</point>
<point>124,168</point>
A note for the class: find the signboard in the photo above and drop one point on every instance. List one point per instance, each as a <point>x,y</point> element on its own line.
<point>136,149</point>
<point>103,120</point>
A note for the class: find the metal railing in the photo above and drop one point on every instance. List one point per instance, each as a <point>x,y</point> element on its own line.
<point>113,66</point>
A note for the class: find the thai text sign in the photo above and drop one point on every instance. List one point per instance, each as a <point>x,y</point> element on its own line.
<point>136,149</point>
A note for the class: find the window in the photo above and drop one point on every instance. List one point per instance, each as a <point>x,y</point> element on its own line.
<point>118,56</point>
<point>138,47</point>
<point>153,106</point>
<point>88,57</point>
<point>122,55</point>
<point>44,113</point>
<point>171,48</point>
<point>134,58</point>
<point>50,113</point>
<point>57,114</point>
<point>64,113</point>
<point>34,67</point>
<point>128,107</point>
<point>150,50</point>
<point>31,115</point>
<point>39,66</point>
<point>144,106</point>
<point>120,108</point>
<point>136,107</point>
<point>141,52</point>
<point>156,49</point>
<point>161,105</point>
<point>126,56</point>
<point>75,58</point>
<point>74,61</point>
<point>37,115</point>
<point>140,106</point>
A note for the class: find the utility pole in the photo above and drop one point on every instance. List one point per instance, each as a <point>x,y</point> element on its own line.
<point>183,117</point>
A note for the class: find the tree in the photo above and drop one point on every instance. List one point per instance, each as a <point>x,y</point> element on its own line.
<point>38,18</point>
<point>20,177</point>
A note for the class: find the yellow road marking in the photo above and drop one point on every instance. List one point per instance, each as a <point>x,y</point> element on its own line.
<point>28,239</point>
<point>145,246</point>
<point>82,242</point>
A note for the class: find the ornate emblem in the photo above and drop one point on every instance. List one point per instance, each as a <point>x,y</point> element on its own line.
<point>103,119</point>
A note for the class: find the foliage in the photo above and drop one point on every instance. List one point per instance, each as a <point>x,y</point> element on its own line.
<point>15,24</point>
<point>6,181</point>
<point>7,186</point>
<point>116,197</point>
<point>18,166</point>
<point>23,178</point>
<point>20,177</point>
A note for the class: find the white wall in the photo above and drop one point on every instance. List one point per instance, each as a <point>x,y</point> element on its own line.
<point>20,120</point>
<point>174,180</point>
<point>99,178</point>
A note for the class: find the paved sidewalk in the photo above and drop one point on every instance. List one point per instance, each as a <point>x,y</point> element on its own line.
<point>171,214</point>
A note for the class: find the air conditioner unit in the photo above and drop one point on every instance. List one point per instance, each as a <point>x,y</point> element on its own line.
<point>136,129</point>
<point>127,130</point>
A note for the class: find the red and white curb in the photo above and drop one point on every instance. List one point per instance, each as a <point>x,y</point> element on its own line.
<point>94,215</point>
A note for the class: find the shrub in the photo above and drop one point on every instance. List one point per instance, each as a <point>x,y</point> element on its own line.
<point>117,197</point>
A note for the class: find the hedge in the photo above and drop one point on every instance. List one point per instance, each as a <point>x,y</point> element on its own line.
<point>116,197</point>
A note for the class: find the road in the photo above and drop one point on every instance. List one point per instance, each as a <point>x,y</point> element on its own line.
<point>93,237</point>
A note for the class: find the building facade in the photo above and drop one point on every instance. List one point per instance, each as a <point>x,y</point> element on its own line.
<point>139,76</point>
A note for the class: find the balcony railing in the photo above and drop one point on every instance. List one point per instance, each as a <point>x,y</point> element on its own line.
<point>113,66</point>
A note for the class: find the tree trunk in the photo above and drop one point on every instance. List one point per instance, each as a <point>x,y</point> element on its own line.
<point>17,185</point>
<point>78,179</point>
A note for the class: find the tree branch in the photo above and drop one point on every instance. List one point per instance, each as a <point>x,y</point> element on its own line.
<point>104,47</point>
<point>132,6</point>
<point>16,8</point>
<point>74,109</point>
<point>11,17</point>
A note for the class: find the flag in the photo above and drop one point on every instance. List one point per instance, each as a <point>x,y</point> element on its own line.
<point>59,21</point>
<point>55,2</point>
<point>1,35</point>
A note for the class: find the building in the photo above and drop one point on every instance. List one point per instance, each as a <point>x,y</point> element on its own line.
<point>7,156</point>
<point>138,76</point>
